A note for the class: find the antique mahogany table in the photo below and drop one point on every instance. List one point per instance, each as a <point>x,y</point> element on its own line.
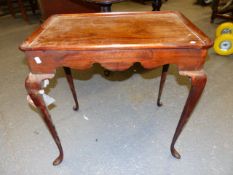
<point>116,41</point>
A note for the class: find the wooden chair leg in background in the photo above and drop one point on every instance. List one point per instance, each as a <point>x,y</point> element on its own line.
<point>23,10</point>
<point>33,6</point>
<point>1,11</point>
<point>10,7</point>
<point>215,4</point>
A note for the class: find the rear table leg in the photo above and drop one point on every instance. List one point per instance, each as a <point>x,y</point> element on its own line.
<point>162,81</point>
<point>69,78</point>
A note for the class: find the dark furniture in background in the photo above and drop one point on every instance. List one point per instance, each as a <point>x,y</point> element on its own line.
<point>15,5</point>
<point>105,5</point>
<point>156,5</point>
<point>51,7</point>
<point>222,9</point>
<point>203,2</point>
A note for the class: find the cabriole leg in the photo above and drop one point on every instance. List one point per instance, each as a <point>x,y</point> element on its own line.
<point>198,81</point>
<point>36,97</point>
<point>69,78</point>
<point>162,81</point>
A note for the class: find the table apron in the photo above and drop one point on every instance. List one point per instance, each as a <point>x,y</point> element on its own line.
<point>115,60</point>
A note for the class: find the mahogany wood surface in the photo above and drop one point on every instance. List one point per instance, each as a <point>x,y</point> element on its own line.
<point>116,41</point>
<point>116,30</point>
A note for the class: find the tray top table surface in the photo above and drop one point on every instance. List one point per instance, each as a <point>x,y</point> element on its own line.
<point>122,30</point>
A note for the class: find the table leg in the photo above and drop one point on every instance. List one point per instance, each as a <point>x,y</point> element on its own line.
<point>198,81</point>
<point>34,88</point>
<point>106,8</point>
<point>162,81</point>
<point>69,78</point>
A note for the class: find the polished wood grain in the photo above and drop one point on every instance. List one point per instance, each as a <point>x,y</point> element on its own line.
<point>116,41</point>
<point>117,30</point>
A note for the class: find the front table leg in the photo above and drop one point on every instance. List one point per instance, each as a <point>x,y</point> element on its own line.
<point>34,88</point>
<point>198,81</point>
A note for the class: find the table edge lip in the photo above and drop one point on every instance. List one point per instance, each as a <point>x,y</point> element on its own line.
<point>206,41</point>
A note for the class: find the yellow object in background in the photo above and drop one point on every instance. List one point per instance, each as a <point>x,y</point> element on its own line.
<point>225,28</point>
<point>223,44</point>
